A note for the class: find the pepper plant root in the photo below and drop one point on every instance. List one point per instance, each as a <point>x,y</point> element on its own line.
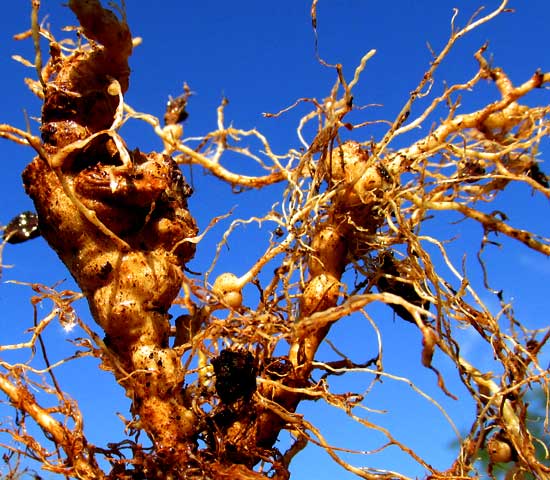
<point>348,231</point>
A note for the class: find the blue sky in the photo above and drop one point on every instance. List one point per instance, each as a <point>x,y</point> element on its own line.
<point>260,55</point>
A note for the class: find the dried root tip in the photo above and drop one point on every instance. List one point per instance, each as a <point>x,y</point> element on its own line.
<point>429,342</point>
<point>228,289</point>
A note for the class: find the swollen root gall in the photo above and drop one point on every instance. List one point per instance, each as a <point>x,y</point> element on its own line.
<point>228,289</point>
<point>328,252</point>
<point>500,450</point>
